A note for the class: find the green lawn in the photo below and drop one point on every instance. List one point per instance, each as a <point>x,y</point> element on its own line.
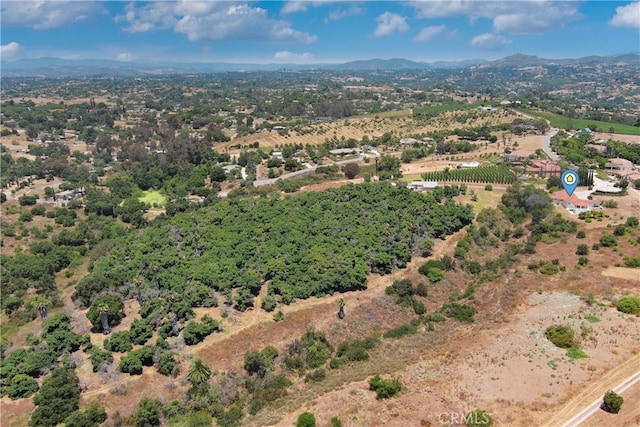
<point>153,198</point>
<point>564,122</point>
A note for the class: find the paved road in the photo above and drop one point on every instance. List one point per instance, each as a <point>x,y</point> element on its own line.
<point>591,409</point>
<point>546,145</point>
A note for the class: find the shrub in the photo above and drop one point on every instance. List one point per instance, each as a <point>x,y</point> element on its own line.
<point>612,402</point>
<point>402,288</point>
<point>27,200</point>
<point>317,375</point>
<point>460,312</point>
<point>435,317</point>
<point>400,331</point>
<point>147,413</point>
<point>549,269</point>
<point>100,358</point>
<point>426,247</point>
<point>419,308</point>
<point>582,249</point>
<point>119,342</point>
<point>581,234</point>
<point>432,263</point>
<point>560,335</point>
<point>384,388</point>
<point>195,332</point>
<point>307,419</point>
<point>629,305</point>
<point>435,275</point>
<point>488,187</point>
<point>583,260</point>
<point>620,230</point>
<point>478,418</point>
<point>21,385</point>
<point>576,353</point>
<point>166,364</point>
<point>632,222</point>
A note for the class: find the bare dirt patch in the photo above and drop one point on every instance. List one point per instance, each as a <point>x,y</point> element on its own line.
<point>623,273</point>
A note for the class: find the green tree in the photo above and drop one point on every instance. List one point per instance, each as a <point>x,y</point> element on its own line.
<point>306,419</point>
<point>21,386</point>
<point>560,335</point>
<point>106,311</point>
<point>351,170</point>
<point>58,398</point>
<point>612,402</point>
<point>147,413</point>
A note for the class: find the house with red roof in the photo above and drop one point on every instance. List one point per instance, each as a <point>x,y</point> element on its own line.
<point>573,203</point>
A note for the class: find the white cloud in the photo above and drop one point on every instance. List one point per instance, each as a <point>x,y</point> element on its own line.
<point>390,23</point>
<point>627,16</point>
<point>340,13</point>
<point>515,17</point>
<point>125,57</point>
<point>10,50</point>
<point>429,33</point>
<point>43,15</point>
<point>295,58</point>
<point>489,41</point>
<point>297,6</point>
<point>212,21</point>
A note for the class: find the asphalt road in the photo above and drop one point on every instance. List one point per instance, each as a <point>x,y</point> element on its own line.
<point>546,145</point>
<point>583,415</point>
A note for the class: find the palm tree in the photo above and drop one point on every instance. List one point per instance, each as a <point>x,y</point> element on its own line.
<point>154,268</point>
<point>341,308</point>
<point>199,373</point>
<point>171,297</point>
<point>103,309</point>
<point>137,283</point>
<point>42,309</point>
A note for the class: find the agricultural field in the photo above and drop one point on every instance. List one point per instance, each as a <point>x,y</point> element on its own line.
<point>564,122</point>
<point>481,174</point>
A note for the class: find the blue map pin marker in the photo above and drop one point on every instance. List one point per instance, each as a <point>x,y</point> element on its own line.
<point>570,180</point>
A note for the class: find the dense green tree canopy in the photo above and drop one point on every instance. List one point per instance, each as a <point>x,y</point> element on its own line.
<point>307,244</point>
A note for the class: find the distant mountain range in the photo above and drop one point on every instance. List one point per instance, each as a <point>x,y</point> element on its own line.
<point>55,67</point>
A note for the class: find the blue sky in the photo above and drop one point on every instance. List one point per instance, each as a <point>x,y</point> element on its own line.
<point>311,31</point>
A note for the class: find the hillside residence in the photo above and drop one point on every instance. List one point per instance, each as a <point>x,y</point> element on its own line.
<point>344,151</point>
<point>408,142</point>
<point>619,164</point>
<point>543,168</point>
<point>630,176</point>
<point>573,203</point>
<point>519,155</point>
<point>422,185</point>
<point>467,165</point>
